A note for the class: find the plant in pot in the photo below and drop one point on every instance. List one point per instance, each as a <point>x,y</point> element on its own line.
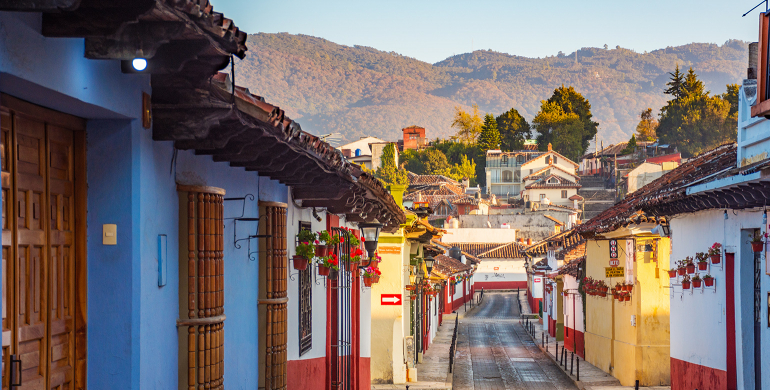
<point>671,273</point>
<point>758,241</point>
<point>715,253</point>
<point>686,282</point>
<point>696,281</point>
<point>369,274</point>
<point>328,263</point>
<point>324,243</point>
<point>305,249</point>
<point>355,258</point>
<point>690,265</point>
<point>615,294</point>
<point>681,267</point>
<point>708,280</point>
<point>703,261</point>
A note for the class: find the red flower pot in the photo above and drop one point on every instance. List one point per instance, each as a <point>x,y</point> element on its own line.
<point>413,297</point>
<point>709,282</point>
<point>757,246</point>
<point>604,289</point>
<point>603,295</point>
<point>702,265</point>
<point>672,273</point>
<point>685,285</point>
<point>696,283</point>
<point>627,298</point>
<point>376,278</point>
<point>410,287</point>
<point>300,263</point>
<point>715,259</point>
<point>627,287</point>
<point>681,271</point>
<point>353,266</point>
<point>323,270</point>
<point>368,282</point>
<point>691,269</point>
<point>321,250</point>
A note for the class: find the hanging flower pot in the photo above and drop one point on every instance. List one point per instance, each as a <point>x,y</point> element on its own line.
<point>681,271</point>
<point>603,294</point>
<point>376,279</point>
<point>353,266</point>
<point>368,282</point>
<point>627,298</point>
<point>413,297</point>
<point>321,250</point>
<point>690,268</point>
<point>409,287</point>
<point>757,246</point>
<point>696,283</point>
<point>702,265</point>
<point>323,270</point>
<point>672,273</point>
<point>686,285</point>
<point>300,262</point>
<point>715,259</point>
<point>709,281</point>
<point>604,289</point>
<point>627,287</point>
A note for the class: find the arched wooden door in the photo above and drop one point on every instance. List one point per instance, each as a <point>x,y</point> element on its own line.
<point>42,240</point>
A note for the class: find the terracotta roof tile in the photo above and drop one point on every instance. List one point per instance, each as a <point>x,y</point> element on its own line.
<point>449,266</point>
<point>512,250</point>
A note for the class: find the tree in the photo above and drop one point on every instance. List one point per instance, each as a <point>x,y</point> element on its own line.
<point>514,130</point>
<point>695,121</point>
<point>573,102</point>
<point>675,85</point>
<point>466,168</point>
<point>561,129</point>
<point>646,129</point>
<point>435,163</point>
<point>630,146</point>
<point>388,172</point>
<point>489,137</point>
<point>731,96</point>
<point>468,125</point>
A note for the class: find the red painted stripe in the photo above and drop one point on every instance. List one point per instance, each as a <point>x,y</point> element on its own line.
<point>574,341</point>
<point>306,374</point>
<point>500,285</point>
<point>732,375</point>
<point>688,376</point>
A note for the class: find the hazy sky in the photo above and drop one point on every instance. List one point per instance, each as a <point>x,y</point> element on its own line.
<point>432,30</point>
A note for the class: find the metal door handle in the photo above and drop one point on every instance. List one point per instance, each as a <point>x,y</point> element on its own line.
<point>15,374</point>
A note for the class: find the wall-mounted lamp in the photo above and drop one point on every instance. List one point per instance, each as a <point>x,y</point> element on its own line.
<point>139,64</point>
<point>429,260</point>
<point>371,233</point>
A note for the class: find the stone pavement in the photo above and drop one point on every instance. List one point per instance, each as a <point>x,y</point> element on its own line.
<point>590,377</point>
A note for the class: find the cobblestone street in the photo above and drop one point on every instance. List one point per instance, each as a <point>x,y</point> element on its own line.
<point>495,352</point>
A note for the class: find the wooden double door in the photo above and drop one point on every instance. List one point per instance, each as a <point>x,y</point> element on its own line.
<point>43,328</point>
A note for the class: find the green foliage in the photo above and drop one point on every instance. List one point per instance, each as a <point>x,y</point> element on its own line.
<point>429,161</point>
<point>646,130</point>
<point>675,84</point>
<point>514,130</point>
<point>695,121</point>
<point>489,137</point>
<point>563,130</point>
<point>466,168</point>
<point>573,102</point>
<point>359,91</point>
<point>630,147</point>
<point>388,172</point>
<point>731,96</point>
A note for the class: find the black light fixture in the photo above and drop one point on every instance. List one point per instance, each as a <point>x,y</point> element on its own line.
<point>370,233</point>
<point>429,260</point>
<point>139,64</point>
<point>666,229</point>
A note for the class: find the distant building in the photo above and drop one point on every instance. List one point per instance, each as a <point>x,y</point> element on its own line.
<point>503,171</point>
<point>645,173</point>
<point>360,152</point>
<point>550,179</point>
<point>414,138</point>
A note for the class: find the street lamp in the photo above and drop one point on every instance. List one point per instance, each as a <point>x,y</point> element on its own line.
<point>429,260</point>
<point>371,233</point>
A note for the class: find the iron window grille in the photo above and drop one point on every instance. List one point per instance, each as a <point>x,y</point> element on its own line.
<point>305,304</point>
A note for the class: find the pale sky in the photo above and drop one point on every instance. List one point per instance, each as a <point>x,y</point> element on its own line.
<point>432,30</point>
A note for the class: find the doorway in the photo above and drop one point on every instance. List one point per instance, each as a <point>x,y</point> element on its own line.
<point>43,269</point>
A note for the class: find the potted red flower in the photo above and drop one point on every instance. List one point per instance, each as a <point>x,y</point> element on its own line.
<point>671,273</point>
<point>327,264</point>
<point>690,265</point>
<point>681,267</point>
<point>702,261</point>
<point>715,253</point>
<point>324,243</point>
<point>369,274</point>
<point>758,241</point>
<point>304,250</point>
<point>708,280</point>
<point>686,282</point>
<point>696,281</point>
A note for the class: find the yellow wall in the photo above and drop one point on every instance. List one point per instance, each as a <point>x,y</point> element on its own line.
<point>613,344</point>
<point>389,322</point>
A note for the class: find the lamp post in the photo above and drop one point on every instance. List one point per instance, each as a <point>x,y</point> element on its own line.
<point>370,231</point>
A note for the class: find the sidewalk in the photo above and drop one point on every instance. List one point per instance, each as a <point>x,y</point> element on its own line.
<point>433,372</point>
<point>591,377</point>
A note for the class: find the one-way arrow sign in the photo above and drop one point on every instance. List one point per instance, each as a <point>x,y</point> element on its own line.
<point>390,299</point>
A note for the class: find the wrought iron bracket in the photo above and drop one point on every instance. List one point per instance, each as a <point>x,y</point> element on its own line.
<point>250,197</point>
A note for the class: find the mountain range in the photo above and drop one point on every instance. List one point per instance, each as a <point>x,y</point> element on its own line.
<point>360,91</point>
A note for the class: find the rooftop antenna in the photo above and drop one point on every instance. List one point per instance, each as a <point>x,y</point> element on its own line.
<point>755,7</point>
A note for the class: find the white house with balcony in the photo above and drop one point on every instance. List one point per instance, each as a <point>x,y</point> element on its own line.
<point>503,171</point>
<point>550,178</point>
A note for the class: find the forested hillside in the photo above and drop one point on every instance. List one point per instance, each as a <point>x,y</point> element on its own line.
<point>360,91</point>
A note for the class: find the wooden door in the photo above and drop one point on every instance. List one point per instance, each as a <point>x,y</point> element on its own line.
<point>39,237</point>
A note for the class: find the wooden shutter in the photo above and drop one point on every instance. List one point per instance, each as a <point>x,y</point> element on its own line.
<point>276,300</point>
<point>202,314</point>
<point>762,107</point>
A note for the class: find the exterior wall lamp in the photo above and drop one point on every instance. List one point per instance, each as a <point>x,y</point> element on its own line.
<point>371,233</point>
<point>429,260</point>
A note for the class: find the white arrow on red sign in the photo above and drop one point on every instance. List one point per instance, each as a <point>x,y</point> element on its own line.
<point>390,299</point>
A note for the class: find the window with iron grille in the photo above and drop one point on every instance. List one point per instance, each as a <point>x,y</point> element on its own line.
<point>305,304</point>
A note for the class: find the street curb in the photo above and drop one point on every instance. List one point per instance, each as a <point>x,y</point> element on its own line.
<point>577,383</point>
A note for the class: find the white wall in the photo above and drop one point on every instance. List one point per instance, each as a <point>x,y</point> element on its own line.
<point>508,270</point>
<point>573,304</point>
<point>481,235</point>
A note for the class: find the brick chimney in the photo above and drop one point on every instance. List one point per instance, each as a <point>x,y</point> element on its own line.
<point>751,72</point>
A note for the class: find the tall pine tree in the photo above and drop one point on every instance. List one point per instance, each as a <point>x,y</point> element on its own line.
<point>676,85</point>
<point>692,86</point>
<point>489,137</point>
